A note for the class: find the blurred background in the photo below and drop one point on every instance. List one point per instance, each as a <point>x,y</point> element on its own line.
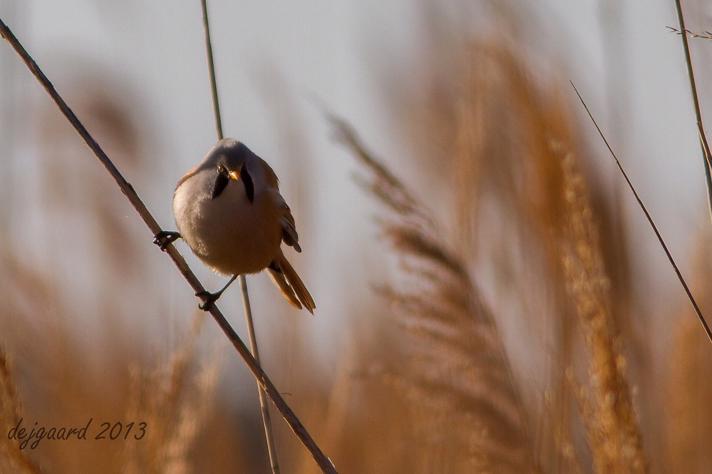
<point>490,298</point>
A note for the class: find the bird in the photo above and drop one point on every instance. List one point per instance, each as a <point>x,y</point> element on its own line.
<point>230,212</point>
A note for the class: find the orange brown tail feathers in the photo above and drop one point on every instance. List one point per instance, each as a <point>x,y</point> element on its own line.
<point>281,281</point>
<point>290,284</point>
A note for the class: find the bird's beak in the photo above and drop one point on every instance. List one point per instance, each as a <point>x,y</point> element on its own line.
<point>224,177</point>
<point>234,175</point>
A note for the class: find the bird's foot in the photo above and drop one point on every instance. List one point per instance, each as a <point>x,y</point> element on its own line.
<point>208,298</point>
<point>164,238</point>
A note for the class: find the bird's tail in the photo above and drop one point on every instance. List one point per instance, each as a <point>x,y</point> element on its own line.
<point>291,285</point>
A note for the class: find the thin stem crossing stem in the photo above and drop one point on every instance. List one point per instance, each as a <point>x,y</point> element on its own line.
<point>695,306</point>
<point>290,417</point>
<point>264,407</point>
<point>704,144</point>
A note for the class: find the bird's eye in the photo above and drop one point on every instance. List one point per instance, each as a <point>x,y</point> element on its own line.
<point>221,181</point>
<point>222,169</point>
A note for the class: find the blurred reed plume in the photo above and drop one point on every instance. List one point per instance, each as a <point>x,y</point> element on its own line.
<point>687,396</point>
<point>456,368</point>
<point>688,420</point>
<point>612,428</point>
<point>174,402</point>
<point>518,189</point>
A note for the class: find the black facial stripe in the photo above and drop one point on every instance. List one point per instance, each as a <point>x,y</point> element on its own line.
<point>249,185</point>
<point>221,181</point>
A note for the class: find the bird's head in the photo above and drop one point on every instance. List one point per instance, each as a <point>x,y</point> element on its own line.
<point>232,170</point>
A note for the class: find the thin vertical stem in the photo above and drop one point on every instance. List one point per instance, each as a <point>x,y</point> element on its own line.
<point>211,70</point>
<point>704,144</point>
<point>264,407</point>
<point>688,292</point>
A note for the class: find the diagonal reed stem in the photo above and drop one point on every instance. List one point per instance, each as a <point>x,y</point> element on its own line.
<point>264,407</point>
<point>704,144</point>
<point>650,220</point>
<point>289,416</point>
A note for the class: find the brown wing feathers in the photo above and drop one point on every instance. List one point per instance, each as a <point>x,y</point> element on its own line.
<point>289,229</point>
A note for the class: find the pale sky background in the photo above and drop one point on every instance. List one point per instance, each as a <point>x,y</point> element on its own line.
<point>336,51</point>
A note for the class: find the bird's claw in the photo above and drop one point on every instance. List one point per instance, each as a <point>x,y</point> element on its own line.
<point>165,238</point>
<point>208,298</point>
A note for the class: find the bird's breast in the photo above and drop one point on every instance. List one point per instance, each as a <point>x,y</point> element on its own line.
<point>229,233</point>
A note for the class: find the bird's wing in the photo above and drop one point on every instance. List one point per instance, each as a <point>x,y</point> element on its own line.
<point>286,220</point>
<point>265,177</point>
<point>261,171</point>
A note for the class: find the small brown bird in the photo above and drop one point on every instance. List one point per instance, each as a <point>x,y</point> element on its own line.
<point>229,211</point>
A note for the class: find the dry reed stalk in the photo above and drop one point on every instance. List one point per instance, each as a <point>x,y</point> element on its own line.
<point>290,417</point>
<point>704,144</point>
<point>613,431</point>
<point>247,307</point>
<point>458,368</point>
